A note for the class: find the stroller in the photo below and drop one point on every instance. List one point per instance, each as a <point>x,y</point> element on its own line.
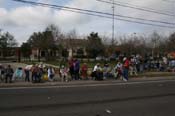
<point>18,75</point>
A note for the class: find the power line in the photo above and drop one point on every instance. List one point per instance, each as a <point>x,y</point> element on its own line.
<point>155,21</point>
<point>147,8</point>
<point>137,8</point>
<point>109,17</point>
<point>170,1</point>
<point>92,13</point>
<point>85,10</point>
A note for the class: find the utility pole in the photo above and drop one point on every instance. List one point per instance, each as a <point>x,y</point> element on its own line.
<point>113,21</point>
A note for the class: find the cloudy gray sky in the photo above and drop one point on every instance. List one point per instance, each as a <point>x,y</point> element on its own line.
<point>23,19</point>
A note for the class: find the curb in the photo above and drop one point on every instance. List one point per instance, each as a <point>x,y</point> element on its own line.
<point>82,82</point>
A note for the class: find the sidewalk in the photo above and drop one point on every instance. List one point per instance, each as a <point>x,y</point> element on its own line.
<point>80,82</point>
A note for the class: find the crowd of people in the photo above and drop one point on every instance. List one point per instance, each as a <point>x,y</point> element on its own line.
<point>30,73</point>
<point>124,67</point>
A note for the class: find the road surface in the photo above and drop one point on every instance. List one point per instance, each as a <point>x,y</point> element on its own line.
<point>139,98</point>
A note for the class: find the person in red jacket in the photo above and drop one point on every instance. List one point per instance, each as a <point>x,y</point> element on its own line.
<point>125,68</point>
<point>84,70</point>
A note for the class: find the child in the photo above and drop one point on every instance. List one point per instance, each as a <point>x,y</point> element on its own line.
<point>64,73</point>
<point>118,70</point>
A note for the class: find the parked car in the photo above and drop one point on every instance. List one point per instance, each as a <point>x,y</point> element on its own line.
<point>98,58</point>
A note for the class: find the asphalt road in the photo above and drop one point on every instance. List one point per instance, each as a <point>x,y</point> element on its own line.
<point>153,98</point>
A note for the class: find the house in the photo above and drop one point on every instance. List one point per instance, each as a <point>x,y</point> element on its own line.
<point>74,48</point>
<point>11,53</point>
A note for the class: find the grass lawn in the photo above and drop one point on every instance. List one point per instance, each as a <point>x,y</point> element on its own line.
<point>91,64</point>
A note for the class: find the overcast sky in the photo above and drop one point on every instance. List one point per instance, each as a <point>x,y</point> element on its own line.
<point>23,19</point>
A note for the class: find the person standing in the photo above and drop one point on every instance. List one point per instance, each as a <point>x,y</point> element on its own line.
<point>125,68</point>
<point>77,69</point>
<point>27,75</point>
<point>51,73</point>
<point>84,70</point>
<point>9,73</point>
<point>27,72</point>
<point>71,68</point>
<point>94,72</point>
<point>133,69</point>
<point>35,74</point>
<point>2,73</point>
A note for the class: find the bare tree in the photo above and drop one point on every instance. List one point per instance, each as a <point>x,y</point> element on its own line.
<point>171,43</point>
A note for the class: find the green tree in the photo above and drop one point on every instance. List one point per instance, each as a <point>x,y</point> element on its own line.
<point>65,53</point>
<point>26,50</point>
<point>80,53</point>
<point>43,41</point>
<point>94,46</point>
<point>46,41</point>
<point>7,43</point>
